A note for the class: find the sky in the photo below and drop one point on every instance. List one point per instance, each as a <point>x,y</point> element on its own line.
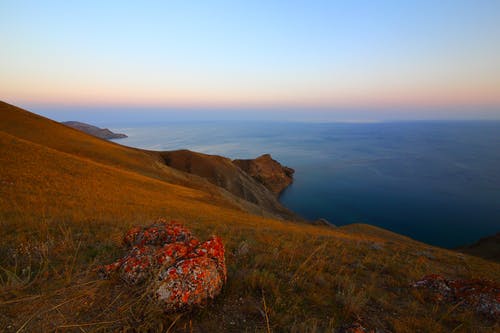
<point>309,60</point>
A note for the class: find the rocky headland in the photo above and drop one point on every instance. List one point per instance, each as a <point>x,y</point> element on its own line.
<point>257,181</point>
<point>103,133</point>
<point>268,172</point>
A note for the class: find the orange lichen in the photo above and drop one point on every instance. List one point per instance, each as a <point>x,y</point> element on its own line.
<point>481,295</point>
<point>186,272</point>
<point>187,283</point>
<point>157,234</point>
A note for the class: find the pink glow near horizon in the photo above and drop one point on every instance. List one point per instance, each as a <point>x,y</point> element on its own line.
<point>259,55</point>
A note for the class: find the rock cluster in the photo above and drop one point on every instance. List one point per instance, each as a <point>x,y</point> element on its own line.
<point>183,271</point>
<point>483,296</point>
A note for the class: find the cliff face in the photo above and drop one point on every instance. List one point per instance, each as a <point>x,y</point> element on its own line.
<point>268,172</point>
<point>102,133</point>
<point>259,189</point>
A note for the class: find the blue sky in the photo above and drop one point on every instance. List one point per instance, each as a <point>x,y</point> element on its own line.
<point>395,59</point>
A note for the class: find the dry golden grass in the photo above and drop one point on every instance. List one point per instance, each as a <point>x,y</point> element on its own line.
<point>67,198</point>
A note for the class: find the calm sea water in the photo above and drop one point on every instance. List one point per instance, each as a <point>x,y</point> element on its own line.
<point>437,182</point>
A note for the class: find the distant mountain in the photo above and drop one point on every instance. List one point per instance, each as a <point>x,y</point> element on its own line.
<point>102,133</point>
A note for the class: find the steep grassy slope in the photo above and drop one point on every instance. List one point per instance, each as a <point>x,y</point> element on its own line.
<point>67,198</point>
<point>42,131</point>
<point>37,129</point>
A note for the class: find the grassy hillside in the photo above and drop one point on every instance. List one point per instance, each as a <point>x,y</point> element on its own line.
<point>67,198</point>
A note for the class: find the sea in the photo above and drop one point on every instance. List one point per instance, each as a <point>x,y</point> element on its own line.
<point>437,181</point>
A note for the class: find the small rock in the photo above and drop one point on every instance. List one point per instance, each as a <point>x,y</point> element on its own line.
<point>376,246</point>
<point>426,254</point>
<point>242,249</point>
<point>323,221</point>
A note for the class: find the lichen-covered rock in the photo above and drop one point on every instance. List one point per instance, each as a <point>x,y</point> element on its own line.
<point>159,233</point>
<point>483,296</point>
<point>187,283</point>
<point>183,271</point>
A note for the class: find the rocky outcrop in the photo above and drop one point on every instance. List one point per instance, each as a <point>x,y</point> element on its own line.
<point>102,133</point>
<point>182,271</point>
<point>268,172</point>
<point>224,173</point>
<point>482,296</point>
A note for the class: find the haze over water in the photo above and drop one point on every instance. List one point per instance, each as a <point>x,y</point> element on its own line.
<point>436,182</point>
